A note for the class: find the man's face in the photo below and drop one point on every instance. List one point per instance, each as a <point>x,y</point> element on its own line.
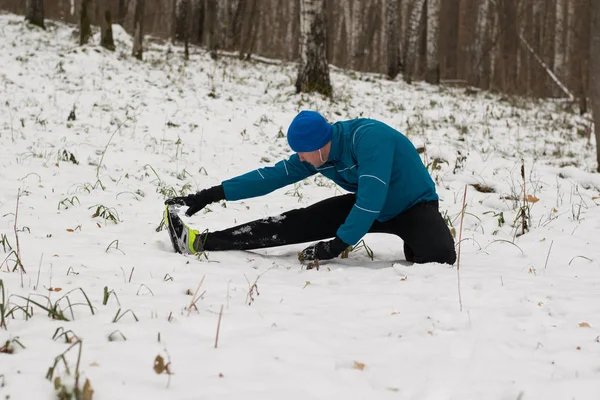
<point>312,158</point>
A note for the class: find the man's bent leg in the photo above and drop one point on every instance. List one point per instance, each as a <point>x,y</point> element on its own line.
<point>316,222</point>
<point>425,233</point>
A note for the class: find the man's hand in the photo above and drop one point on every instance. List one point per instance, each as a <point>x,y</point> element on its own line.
<point>324,250</point>
<point>198,201</point>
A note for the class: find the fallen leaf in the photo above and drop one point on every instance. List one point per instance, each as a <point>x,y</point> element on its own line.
<point>221,375</point>
<point>70,230</point>
<point>554,210</point>
<point>393,389</point>
<point>540,304</point>
<point>531,199</point>
<point>99,226</point>
<point>404,278</point>
<point>595,197</point>
<point>584,325</point>
<point>94,364</point>
<point>88,392</point>
<point>358,365</point>
<point>578,348</point>
<point>159,365</point>
<point>55,255</point>
<point>395,312</point>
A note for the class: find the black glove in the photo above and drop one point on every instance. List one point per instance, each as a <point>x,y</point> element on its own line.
<point>324,250</point>
<point>198,201</point>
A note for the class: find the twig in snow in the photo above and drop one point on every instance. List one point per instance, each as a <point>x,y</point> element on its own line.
<point>548,255</point>
<point>218,327</point>
<point>37,283</point>
<point>194,298</point>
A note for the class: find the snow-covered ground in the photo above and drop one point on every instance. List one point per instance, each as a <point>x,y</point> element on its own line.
<point>529,327</point>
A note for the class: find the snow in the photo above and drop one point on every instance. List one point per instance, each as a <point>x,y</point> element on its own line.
<point>357,328</point>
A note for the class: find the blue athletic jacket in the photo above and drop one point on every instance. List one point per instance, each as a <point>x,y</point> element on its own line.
<point>367,157</point>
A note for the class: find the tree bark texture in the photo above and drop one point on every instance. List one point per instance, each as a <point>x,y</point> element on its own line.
<point>412,39</point>
<point>106,34</point>
<point>392,38</point>
<point>85,28</point>
<point>138,29</point>
<point>313,70</point>
<point>595,72</point>
<point>34,12</point>
<point>433,38</point>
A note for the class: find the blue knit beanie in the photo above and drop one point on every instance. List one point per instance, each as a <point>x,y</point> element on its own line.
<point>309,131</point>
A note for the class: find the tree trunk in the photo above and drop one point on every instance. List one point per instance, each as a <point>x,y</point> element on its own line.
<point>186,6</point>
<point>34,13</point>
<point>212,23</point>
<point>581,53</point>
<point>313,70</point>
<point>559,39</point>
<point>393,49</point>
<point>481,32</point>
<point>106,34</point>
<point>352,10</point>
<point>248,29</point>
<point>433,37</point>
<point>180,19</point>
<point>291,44</point>
<point>412,38</point>
<point>122,12</point>
<point>198,21</point>
<point>595,72</point>
<point>85,29</point>
<point>138,29</point>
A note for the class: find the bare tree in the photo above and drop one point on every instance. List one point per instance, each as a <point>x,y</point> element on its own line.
<point>559,39</point>
<point>433,37</point>
<point>85,29</point>
<point>313,70</point>
<point>481,32</point>
<point>412,38</point>
<point>354,29</point>
<point>595,72</point>
<point>182,22</point>
<point>34,13</point>
<point>180,12</point>
<point>138,29</point>
<point>248,28</point>
<point>198,17</point>
<point>581,54</point>
<point>106,34</point>
<point>392,38</point>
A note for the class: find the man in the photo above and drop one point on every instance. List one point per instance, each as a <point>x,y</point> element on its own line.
<point>391,192</point>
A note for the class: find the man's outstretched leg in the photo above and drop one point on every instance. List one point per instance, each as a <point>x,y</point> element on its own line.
<point>316,222</point>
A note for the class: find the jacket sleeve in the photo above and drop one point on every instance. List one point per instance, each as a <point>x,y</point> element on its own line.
<point>265,180</point>
<point>374,155</point>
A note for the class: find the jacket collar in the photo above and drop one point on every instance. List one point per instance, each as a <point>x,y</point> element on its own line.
<point>335,151</point>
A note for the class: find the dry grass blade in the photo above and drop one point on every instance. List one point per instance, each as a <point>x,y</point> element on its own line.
<point>120,315</point>
<point>505,241</point>
<point>195,297</point>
